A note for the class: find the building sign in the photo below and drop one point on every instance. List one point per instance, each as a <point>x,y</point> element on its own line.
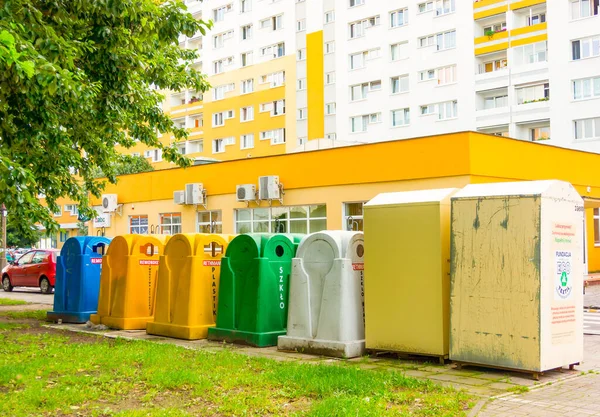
<point>101,219</point>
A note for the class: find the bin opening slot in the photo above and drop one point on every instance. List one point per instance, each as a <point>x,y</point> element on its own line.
<point>149,249</point>
<point>360,251</point>
<point>279,251</point>
<point>214,249</point>
<point>100,248</point>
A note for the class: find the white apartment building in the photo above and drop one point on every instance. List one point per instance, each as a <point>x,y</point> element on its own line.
<point>315,73</point>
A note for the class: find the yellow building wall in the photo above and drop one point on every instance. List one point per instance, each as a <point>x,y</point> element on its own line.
<point>315,85</point>
<point>263,93</point>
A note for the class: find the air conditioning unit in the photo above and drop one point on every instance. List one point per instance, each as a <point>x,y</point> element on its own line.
<point>245,192</point>
<point>268,188</point>
<point>194,193</point>
<point>109,202</point>
<point>179,197</point>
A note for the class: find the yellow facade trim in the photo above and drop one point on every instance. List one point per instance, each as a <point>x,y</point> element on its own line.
<point>494,37</point>
<point>315,85</point>
<point>529,29</point>
<point>531,39</point>
<point>484,3</point>
<point>525,3</point>
<point>491,12</point>
<point>491,48</point>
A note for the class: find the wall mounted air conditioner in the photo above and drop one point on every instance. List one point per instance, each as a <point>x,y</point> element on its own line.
<point>179,197</point>
<point>268,188</point>
<point>245,192</point>
<point>109,203</point>
<point>194,193</point>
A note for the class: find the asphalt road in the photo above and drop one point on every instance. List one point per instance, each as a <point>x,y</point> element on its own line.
<point>591,322</point>
<point>30,295</point>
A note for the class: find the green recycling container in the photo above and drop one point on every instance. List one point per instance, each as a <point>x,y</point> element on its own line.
<point>253,289</point>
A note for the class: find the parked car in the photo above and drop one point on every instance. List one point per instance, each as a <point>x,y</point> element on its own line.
<point>36,268</point>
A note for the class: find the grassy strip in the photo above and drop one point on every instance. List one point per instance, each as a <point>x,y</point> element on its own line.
<point>22,315</point>
<point>50,372</point>
<point>10,302</point>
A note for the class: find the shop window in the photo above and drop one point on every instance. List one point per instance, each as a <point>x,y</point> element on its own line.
<point>292,219</point>
<point>209,222</point>
<point>353,216</point>
<point>138,225</point>
<point>170,223</point>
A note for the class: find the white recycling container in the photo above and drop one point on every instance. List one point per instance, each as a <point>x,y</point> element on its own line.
<point>326,308</point>
<point>516,293</point>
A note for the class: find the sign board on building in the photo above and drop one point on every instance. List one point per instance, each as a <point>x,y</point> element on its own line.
<point>101,219</point>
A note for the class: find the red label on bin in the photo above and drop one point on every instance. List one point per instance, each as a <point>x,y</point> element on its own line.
<point>96,261</point>
<point>358,267</point>
<point>212,263</point>
<point>148,261</point>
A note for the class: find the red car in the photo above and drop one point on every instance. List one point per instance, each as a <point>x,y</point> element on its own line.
<point>36,268</point>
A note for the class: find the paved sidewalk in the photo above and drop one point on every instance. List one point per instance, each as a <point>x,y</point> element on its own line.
<point>575,397</point>
<point>30,295</point>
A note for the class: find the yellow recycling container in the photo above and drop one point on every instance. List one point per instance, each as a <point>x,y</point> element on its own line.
<point>188,286</point>
<point>407,272</point>
<point>128,281</point>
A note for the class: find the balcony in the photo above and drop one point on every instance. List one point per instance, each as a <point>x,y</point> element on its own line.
<point>487,8</point>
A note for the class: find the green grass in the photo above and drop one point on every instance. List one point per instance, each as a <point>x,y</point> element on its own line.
<point>68,373</point>
<point>519,389</point>
<point>21,315</point>
<point>10,302</point>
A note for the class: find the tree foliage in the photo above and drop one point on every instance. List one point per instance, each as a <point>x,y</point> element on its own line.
<point>128,165</point>
<point>20,237</point>
<point>77,78</point>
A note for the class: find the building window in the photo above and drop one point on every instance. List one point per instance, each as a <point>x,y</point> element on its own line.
<point>219,40</point>
<point>330,78</point>
<point>274,51</point>
<point>427,75</point>
<point>400,117</point>
<point>329,16</point>
<point>357,29</point>
<point>219,14</point>
<point>247,86</point>
<point>247,141</point>
<point>426,41</point>
<point>170,223</point>
<point>447,110</point>
<point>495,102</point>
<point>301,141</point>
<point>536,19</point>
<point>301,84</point>
<point>446,40</point>
<point>72,208</point>
<point>301,54</point>
<point>291,219</point>
<point>276,136</point>
<point>220,91</point>
<point>398,18</point>
<point>155,154</point>
<point>586,48</point>
<point>425,7</point>
<point>584,8</point>
<point>245,6</point>
<point>539,133</point>
<point>533,93</point>
<point>446,75</point>
<point>444,7</point>
<point>329,47</point>
<point>354,3</point>
<point>276,79</point>
<point>496,27</point>
<point>359,124</point>
<point>531,53</point>
<point>273,23</point>
<point>302,114</point>
<point>399,51</point>
<point>353,216</point>
<point>138,225</point>
<point>495,65</point>
<point>586,88</point>
<point>301,25</point>
<point>220,65</point>
<point>195,146</point>
<point>587,128</point>
<point>329,108</point>
<point>247,114</point>
<point>399,84</point>
<point>218,146</point>
<point>247,58</point>
<point>277,108</point>
<point>246,32</point>
<point>64,235</point>
<point>209,222</point>
<point>596,226</point>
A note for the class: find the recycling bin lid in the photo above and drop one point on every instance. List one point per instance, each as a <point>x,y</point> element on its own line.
<point>420,197</point>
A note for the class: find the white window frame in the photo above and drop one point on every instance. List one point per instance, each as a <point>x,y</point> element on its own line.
<point>248,112</point>
<point>399,18</point>
<point>302,113</point>
<point>586,88</point>
<point>247,141</point>
<point>330,109</point>
<point>400,80</point>
<point>164,226</point>
<point>591,125</point>
<point>400,114</point>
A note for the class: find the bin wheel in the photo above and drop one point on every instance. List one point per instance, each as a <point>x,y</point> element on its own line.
<point>6,285</point>
<point>45,286</point>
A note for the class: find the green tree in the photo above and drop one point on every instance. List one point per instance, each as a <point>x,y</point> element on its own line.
<point>77,78</point>
<point>20,237</point>
<point>127,164</point>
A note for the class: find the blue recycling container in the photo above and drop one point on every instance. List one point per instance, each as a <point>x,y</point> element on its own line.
<point>77,283</point>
